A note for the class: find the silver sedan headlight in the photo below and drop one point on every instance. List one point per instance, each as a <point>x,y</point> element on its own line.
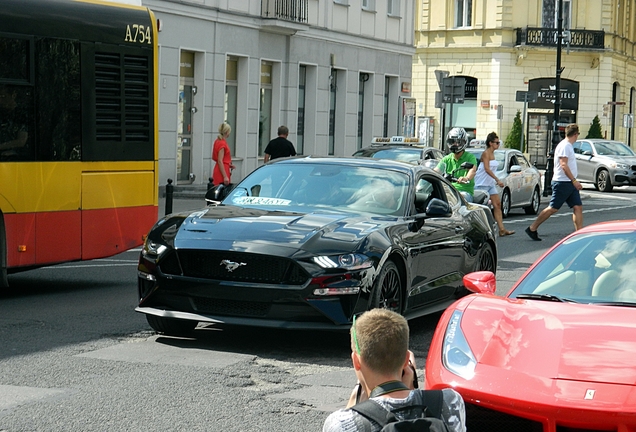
<point>619,165</point>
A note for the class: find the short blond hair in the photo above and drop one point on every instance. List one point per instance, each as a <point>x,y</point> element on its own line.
<point>224,129</point>
<point>382,337</point>
<point>571,130</point>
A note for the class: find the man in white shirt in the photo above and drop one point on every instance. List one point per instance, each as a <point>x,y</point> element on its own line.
<point>565,186</point>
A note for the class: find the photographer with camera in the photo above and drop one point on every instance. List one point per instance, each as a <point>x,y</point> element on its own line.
<point>456,141</point>
<point>386,371</point>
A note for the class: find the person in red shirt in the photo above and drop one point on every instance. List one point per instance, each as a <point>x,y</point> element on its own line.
<point>221,155</point>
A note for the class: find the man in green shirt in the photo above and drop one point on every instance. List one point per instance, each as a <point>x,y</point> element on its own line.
<point>456,141</point>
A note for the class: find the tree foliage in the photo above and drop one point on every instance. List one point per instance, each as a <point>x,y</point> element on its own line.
<point>595,129</point>
<point>513,140</point>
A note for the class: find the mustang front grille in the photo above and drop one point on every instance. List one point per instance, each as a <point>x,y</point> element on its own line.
<point>234,266</point>
<point>480,419</point>
<point>231,307</point>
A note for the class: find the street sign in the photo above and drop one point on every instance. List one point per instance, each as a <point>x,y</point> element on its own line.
<point>628,120</point>
<point>440,75</point>
<point>453,90</point>
<point>439,103</point>
<point>526,96</point>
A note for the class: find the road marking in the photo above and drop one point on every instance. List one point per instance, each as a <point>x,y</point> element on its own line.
<point>566,214</point>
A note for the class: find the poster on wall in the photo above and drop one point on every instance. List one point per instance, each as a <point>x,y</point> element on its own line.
<point>408,117</point>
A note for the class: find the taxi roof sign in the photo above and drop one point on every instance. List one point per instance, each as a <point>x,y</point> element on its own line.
<point>396,140</point>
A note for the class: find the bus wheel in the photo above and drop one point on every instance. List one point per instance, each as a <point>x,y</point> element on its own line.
<point>171,326</point>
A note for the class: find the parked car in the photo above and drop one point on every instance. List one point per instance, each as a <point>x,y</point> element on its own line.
<point>522,181</point>
<point>557,352</point>
<point>605,163</point>
<point>403,149</point>
<point>308,242</point>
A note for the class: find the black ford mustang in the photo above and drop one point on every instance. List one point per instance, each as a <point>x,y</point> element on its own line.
<point>309,242</point>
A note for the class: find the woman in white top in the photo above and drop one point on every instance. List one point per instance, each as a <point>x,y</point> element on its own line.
<point>486,179</point>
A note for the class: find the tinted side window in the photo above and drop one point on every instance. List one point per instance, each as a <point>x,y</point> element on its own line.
<point>58,114</point>
<point>452,196</point>
<point>16,123</point>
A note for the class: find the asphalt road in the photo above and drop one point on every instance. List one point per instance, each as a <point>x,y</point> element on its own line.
<point>74,356</point>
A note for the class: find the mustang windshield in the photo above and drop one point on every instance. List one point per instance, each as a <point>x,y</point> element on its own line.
<point>304,186</point>
<point>590,268</point>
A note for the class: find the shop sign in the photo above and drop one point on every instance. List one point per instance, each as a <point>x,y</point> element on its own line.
<point>546,93</point>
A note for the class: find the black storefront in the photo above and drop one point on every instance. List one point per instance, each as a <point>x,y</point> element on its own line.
<point>539,127</point>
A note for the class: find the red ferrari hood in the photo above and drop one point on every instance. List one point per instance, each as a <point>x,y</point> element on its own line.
<point>554,340</point>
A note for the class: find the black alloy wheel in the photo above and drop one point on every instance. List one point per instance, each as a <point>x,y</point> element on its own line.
<point>486,259</point>
<point>387,289</point>
<point>533,208</point>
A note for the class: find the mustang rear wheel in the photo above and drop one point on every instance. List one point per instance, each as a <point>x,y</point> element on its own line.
<point>486,259</point>
<point>533,208</point>
<point>387,289</point>
<point>170,326</point>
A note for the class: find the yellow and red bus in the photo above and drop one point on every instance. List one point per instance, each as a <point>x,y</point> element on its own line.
<point>78,131</point>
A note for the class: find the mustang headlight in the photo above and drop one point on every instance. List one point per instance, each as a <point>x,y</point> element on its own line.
<point>456,355</point>
<point>346,262</point>
<point>153,250</point>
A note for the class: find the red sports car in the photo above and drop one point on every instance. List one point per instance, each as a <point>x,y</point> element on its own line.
<point>558,353</point>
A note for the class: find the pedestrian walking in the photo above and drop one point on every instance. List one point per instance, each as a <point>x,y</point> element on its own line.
<point>487,181</point>
<point>565,186</point>
<point>221,155</point>
<point>279,146</point>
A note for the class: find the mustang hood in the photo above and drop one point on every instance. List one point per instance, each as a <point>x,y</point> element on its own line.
<point>230,227</point>
<point>554,340</point>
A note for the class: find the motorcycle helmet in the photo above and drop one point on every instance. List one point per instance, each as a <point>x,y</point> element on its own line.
<point>456,140</point>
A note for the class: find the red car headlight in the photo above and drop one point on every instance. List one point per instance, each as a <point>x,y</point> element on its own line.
<point>456,353</point>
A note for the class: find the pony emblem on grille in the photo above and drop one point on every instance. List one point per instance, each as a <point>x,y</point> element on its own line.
<point>231,265</point>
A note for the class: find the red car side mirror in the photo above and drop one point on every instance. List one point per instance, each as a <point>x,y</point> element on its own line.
<point>481,282</point>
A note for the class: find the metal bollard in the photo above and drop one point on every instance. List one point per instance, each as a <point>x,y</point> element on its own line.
<point>169,193</point>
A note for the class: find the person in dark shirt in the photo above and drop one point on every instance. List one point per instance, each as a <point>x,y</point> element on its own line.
<point>279,146</point>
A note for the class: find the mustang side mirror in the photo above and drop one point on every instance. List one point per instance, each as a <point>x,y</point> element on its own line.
<point>438,208</point>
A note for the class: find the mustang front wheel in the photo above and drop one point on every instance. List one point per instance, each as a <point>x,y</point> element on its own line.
<point>387,289</point>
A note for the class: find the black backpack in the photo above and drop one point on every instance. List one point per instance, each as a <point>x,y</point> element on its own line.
<point>430,420</point>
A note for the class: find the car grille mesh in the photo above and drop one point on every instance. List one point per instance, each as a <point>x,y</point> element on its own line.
<point>231,307</point>
<point>480,419</point>
<point>250,268</point>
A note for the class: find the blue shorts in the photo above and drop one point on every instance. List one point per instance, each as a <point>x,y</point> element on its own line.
<point>491,190</point>
<point>564,192</point>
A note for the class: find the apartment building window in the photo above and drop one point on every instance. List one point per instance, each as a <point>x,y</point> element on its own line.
<point>363,78</point>
<point>300,132</point>
<point>231,98</point>
<point>385,123</point>
<point>333,92</point>
<point>463,13</point>
<point>393,7</point>
<point>550,10</point>
<point>368,5</point>
<point>265,107</point>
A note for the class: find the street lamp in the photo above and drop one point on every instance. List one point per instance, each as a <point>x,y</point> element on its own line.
<point>556,138</point>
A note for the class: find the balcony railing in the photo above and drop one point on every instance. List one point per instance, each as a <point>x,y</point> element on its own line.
<point>288,10</point>
<point>589,39</point>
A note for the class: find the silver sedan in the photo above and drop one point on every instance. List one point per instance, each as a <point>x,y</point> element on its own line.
<point>605,163</point>
<point>522,181</point>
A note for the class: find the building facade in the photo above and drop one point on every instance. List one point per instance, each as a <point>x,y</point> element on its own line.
<point>503,47</point>
<point>336,72</point>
